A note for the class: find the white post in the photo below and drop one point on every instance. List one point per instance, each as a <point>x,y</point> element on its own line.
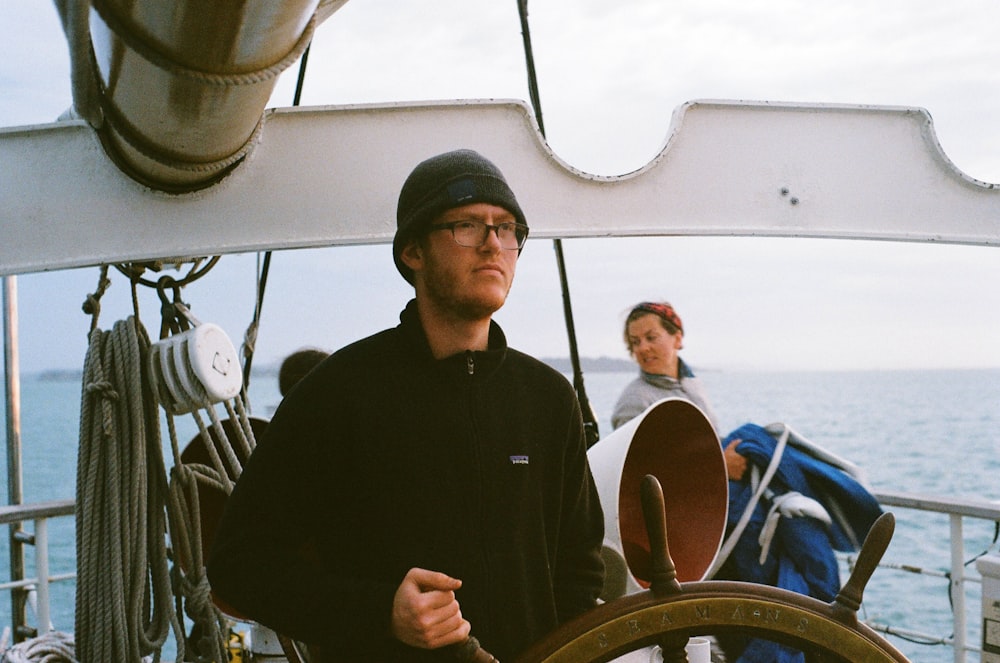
<point>12,374</point>
<point>42,572</point>
<point>958,586</point>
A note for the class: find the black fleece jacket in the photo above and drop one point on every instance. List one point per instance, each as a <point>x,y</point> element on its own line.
<point>384,459</point>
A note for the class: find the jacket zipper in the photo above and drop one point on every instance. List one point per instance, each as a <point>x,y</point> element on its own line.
<point>470,367</point>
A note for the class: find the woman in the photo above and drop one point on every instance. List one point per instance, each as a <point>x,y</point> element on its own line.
<point>654,334</point>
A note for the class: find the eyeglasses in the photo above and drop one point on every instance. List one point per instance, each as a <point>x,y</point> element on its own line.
<point>473,233</point>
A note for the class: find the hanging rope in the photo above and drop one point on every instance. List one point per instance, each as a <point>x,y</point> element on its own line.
<point>225,450</point>
<point>589,419</point>
<point>187,481</point>
<point>123,602</point>
<point>125,586</point>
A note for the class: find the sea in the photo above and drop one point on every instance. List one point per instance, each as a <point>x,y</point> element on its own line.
<point>929,431</point>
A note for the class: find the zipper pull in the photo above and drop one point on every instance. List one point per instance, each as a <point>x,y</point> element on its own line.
<point>470,363</point>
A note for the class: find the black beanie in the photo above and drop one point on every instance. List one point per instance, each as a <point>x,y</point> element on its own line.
<point>449,180</point>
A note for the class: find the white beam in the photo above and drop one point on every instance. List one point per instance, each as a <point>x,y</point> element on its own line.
<point>331,175</point>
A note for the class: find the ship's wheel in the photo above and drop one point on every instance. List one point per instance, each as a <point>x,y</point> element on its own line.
<point>670,612</point>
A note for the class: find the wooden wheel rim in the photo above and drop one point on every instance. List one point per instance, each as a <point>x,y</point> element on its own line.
<point>641,620</point>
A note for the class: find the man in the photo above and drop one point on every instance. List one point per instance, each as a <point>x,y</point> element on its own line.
<point>436,478</point>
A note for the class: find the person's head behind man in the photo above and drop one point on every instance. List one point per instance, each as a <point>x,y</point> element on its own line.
<point>459,233</point>
<point>296,366</point>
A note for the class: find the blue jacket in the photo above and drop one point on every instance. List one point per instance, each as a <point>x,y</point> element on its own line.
<point>801,555</point>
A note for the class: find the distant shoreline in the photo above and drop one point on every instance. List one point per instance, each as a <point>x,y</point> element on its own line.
<point>561,364</point>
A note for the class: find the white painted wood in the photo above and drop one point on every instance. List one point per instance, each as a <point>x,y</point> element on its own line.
<point>330,175</point>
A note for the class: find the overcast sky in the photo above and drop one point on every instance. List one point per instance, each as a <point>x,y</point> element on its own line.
<point>610,74</point>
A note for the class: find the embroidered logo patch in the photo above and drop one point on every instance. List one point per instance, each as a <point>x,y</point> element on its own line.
<point>518,460</point>
<point>462,190</point>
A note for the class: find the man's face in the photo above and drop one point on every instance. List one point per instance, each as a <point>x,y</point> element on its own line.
<point>468,282</point>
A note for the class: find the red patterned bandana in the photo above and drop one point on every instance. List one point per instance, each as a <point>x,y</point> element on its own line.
<point>665,311</point>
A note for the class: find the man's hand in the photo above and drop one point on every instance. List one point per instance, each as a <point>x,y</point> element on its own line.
<point>736,464</point>
<point>425,613</point>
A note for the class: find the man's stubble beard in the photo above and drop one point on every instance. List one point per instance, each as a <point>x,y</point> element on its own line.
<point>439,288</point>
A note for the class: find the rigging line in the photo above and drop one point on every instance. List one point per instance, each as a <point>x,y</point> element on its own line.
<point>589,419</point>
<point>302,75</point>
<point>262,282</point>
<point>250,338</point>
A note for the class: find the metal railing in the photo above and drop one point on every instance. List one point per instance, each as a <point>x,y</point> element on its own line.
<point>39,514</point>
<point>957,511</point>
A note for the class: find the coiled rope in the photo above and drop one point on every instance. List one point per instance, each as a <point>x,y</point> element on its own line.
<point>52,647</point>
<point>123,601</point>
<point>125,586</point>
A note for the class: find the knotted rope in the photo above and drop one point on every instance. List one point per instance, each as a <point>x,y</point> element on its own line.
<point>123,601</point>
